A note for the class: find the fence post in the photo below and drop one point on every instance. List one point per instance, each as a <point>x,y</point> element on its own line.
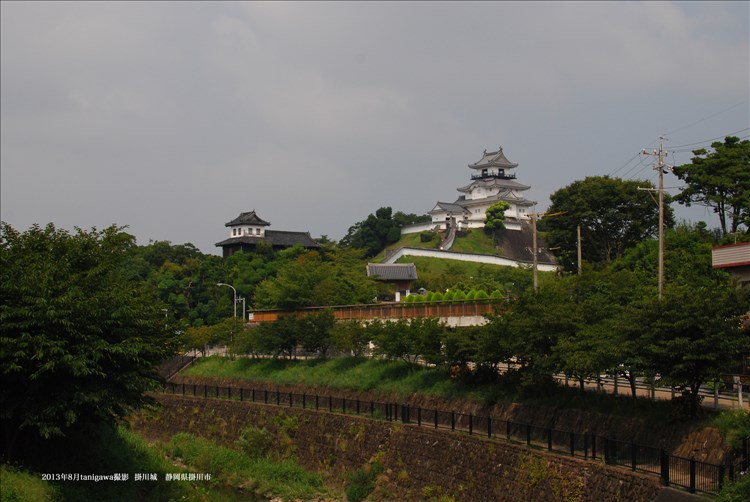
<point>528,435</point>
<point>183,388</point>
<point>453,421</point>
<point>633,456</point>
<point>593,447</point>
<point>507,428</point>
<point>664,461</point>
<point>278,398</point>
<point>572,444</point>
<point>606,450</point>
<point>744,453</point>
<point>316,401</point>
<point>549,439</point>
<point>304,400</point>
<point>291,400</point>
<point>419,416</point>
<point>721,476</point>
<point>195,391</point>
<point>585,446</point>
<point>343,406</point>
<point>265,396</point>
<point>436,418</point>
<point>692,474</point>
<point>330,404</point>
<point>471,425</point>
<point>242,393</point>
<point>357,406</point>
<point>229,392</point>
<point>395,412</point>
<point>489,427</point>
<point>205,391</point>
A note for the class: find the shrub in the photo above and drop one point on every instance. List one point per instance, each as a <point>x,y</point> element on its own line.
<point>426,236</point>
<point>459,295</point>
<point>254,441</point>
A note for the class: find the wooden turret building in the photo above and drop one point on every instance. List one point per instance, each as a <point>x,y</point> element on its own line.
<point>248,230</point>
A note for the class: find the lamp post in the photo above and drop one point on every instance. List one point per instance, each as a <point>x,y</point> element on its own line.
<point>235,295</point>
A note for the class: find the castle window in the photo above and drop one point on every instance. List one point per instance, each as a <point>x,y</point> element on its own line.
<point>257,231</point>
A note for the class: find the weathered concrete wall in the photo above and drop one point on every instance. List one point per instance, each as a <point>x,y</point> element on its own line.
<point>420,463</point>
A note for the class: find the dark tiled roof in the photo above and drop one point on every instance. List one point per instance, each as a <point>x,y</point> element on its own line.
<point>392,272</point>
<point>451,208</point>
<point>276,238</point>
<point>493,159</point>
<point>506,196</point>
<point>249,218</point>
<point>494,183</point>
<point>284,238</point>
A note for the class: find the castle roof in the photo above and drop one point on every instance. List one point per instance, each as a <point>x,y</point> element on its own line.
<point>275,238</point>
<point>248,218</point>
<point>449,207</point>
<point>493,159</point>
<point>493,183</point>
<point>392,271</point>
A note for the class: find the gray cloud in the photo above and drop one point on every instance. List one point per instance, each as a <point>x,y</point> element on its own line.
<point>174,117</point>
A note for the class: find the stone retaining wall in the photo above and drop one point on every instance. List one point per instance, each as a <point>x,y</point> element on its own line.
<point>420,463</point>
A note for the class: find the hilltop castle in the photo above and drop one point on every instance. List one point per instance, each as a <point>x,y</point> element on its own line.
<point>493,179</point>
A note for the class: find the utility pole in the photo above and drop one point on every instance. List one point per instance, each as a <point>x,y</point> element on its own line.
<point>534,249</point>
<point>660,166</point>
<point>580,262</point>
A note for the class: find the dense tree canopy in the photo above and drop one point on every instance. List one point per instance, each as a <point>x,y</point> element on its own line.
<point>379,230</point>
<point>614,214</point>
<point>720,180</point>
<point>79,337</point>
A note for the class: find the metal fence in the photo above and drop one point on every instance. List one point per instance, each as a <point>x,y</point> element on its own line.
<point>687,473</point>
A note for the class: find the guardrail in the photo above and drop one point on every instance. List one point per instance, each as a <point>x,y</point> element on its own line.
<point>688,473</point>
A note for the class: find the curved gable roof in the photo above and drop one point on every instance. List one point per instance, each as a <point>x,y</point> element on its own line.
<point>248,218</point>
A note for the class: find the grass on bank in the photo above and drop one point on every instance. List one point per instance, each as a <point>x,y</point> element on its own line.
<point>235,476</point>
<point>255,475</point>
<point>363,374</point>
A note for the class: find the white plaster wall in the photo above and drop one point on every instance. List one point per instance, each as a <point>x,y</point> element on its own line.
<point>476,258</point>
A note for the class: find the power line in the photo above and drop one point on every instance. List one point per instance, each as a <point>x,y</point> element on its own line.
<point>708,117</point>
<point>712,139</point>
<point>625,164</point>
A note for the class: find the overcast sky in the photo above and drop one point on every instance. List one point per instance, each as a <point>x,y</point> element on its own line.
<point>172,118</point>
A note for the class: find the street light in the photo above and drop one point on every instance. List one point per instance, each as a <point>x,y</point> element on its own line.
<point>235,295</point>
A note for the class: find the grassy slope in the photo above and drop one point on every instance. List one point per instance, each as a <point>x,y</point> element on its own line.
<point>396,377</point>
<point>122,451</point>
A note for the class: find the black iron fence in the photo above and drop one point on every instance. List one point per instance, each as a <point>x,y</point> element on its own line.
<point>687,473</point>
<point>170,367</point>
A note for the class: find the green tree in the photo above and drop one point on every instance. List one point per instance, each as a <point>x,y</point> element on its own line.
<point>614,214</point>
<point>695,340</point>
<point>313,278</point>
<point>721,181</point>
<point>379,230</point>
<point>495,217</point>
<point>79,338</point>
<point>351,337</point>
<point>316,332</point>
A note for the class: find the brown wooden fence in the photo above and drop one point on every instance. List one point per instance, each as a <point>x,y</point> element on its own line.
<point>453,308</point>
